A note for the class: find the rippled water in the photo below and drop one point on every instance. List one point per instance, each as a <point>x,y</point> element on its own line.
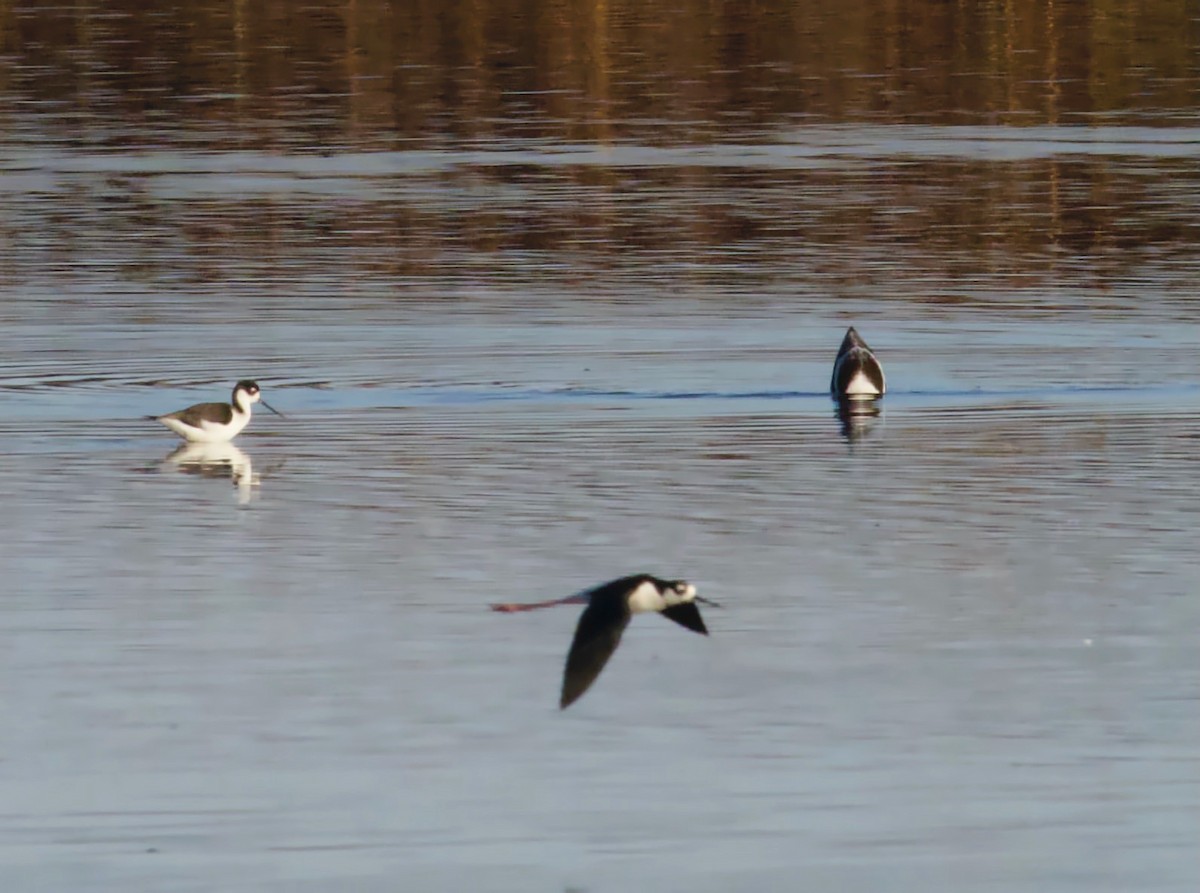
<point>957,642</point>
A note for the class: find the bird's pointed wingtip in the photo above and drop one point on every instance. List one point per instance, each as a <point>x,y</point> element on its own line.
<point>853,339</point>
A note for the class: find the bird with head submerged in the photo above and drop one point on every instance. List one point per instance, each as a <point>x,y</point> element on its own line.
<point>610,607</point>
<point>216,422</point>
<point>857,374</point>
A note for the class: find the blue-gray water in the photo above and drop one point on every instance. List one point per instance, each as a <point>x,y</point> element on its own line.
<point>957,648</point>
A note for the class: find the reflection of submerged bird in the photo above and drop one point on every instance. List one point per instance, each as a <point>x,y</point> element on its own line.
<point>609,609</point>
<point>858,417</point>
<point>857,375</point>
<point>216,422</point>
<point>219,460</point>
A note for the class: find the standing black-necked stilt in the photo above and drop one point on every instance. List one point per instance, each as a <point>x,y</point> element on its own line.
<point>216,422</point>
<point>609,609</point>
<point>857,374</point>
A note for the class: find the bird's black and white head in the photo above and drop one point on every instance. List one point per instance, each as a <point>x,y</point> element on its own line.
<point>654,595</point>
<point>246,393</point>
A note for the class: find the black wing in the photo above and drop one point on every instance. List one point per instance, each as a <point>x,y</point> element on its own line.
<point>215,413</point>
<point>857,360</point>
<point>687,614</point>
<point>596,638</point>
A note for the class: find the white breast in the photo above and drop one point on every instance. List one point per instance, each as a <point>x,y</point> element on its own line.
<point>646,598</point>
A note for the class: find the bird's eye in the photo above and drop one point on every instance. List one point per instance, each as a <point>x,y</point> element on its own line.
<point>681,586</point>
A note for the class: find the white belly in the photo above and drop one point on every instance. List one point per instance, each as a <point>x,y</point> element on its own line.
<point>208,432</point>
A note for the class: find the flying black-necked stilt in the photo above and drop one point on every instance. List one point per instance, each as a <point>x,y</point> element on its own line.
<point>857,374</point>
<point>609,609</point>
<point>216,422</point>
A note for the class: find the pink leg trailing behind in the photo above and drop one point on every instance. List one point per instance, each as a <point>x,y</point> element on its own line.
<point>513,607</point>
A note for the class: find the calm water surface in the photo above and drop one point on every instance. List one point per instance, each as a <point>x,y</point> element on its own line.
<point>957,648</point>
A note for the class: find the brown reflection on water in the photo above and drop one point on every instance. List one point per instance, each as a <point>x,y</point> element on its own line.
<point>368,75</point>
<point>844,231</point>
<point>371,72</point>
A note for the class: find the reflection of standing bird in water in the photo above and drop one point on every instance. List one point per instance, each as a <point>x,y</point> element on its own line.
<point>610,607</point>
<point>217,460</point>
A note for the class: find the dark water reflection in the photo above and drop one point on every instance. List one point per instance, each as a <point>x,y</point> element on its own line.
<point>845,213</point>
<point>857,417</point>
<point>550,292</point>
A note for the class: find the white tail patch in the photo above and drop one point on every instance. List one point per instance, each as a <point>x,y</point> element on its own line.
<point>861,386</point>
